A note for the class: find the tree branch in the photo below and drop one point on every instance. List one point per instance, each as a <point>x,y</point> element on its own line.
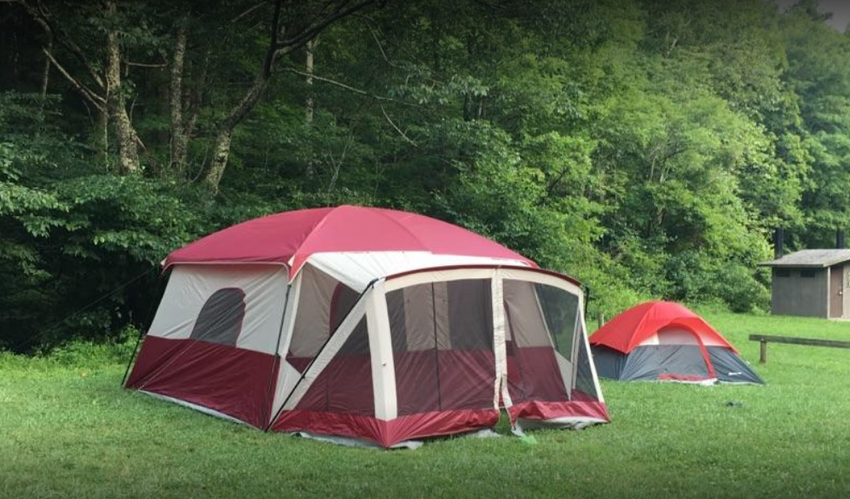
<point>397,129</point>
<point>43,17</point>
<point>271,54</point>
<point>305,35</point>
<point>146,64</point>
<point>247,12</point>
<point>344,86</point>
<point>96,100</point>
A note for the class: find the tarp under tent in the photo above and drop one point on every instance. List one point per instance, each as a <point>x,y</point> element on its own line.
<point>370,326</point>
<point>664,341</point>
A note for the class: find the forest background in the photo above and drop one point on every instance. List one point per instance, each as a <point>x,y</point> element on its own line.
<point>647,147</point>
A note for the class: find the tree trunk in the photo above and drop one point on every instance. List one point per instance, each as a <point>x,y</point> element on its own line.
<point>277,48</point>
<point>126,138</point>
<point>224,135</point>
<point>308,68</point>
<point>221,153</point>
<point>45,73</point>
<point>179,135</point>
<point>102,134</point>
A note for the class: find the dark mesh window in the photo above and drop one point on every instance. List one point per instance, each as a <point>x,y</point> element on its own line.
<point>559,309</point>
<point>537,325</point>
<point>584,376</point>
<point>220,319</point>
<point>343,300</point>
<point>358,343</point>
<point>782,272</point>
<point>345,385</point>
<point>323,304</point>
<point>442,337</point>
<point>470,314</point>
<point>807,273</point>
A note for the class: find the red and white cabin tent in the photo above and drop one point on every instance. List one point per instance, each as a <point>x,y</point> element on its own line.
<point>664,341</point>
<point>371,325</point>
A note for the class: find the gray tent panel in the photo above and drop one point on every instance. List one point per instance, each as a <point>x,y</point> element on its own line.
<point>730,368</point>
<point>652,362</point>
<point>609,362</point>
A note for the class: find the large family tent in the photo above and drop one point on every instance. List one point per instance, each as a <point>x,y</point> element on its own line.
<point>368,326</point>
<point>665,341</point>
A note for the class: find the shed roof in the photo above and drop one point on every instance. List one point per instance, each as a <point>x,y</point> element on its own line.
<point>817,258</point>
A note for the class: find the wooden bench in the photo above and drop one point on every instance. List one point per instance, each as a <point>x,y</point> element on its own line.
<point>763,339</point>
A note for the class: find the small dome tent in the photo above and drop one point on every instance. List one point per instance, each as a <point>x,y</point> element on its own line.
<point>370,326</point>
<point>665,341</point>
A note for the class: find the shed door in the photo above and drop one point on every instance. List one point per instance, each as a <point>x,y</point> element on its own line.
<point>836,291</point>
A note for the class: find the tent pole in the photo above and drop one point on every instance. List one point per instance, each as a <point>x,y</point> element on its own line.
<point>149,323</point>
<point>277,347</point>
<point>132,357</point>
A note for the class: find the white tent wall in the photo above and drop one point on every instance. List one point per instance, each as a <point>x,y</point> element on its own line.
<point>585,351</point>
<point>358,269</point>
<point>191,286</point>
<point>312,312</point>
<point>213,341</point>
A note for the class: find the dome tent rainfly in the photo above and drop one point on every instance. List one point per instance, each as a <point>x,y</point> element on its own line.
<point>368,326</point>
<point>664,341</point>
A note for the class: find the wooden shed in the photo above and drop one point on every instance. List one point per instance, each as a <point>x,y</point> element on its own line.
<point>811,283</point>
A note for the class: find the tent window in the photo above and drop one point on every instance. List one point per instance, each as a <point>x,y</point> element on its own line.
<point>220,319</point>
<point>540,320</point>
<point>560,310</point>
<point>345,385</point>
<point>807,273</point>
<point>584,381</point>
<point>342,301</point>
<point>783,273</point>
<point>323,304</point>
<point>470,314</point>
<point>442,337</point>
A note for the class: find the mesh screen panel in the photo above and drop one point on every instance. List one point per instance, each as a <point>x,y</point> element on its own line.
<point>323,303</point>
<point>584,376</point>
<point>540,322</point>
<point>442,336</point>
<point>345,385</point>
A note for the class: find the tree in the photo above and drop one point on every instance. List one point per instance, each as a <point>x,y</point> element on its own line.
<point>292,28</point>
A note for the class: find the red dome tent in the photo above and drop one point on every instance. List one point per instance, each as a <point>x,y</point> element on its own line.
<point>371,325</point>
<point>667,342</point>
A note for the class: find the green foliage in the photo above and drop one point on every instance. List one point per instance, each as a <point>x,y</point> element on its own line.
<point>646,147</point>
<point>70,234</point>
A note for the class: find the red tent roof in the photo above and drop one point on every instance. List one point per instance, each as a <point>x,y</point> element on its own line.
<point>291,237</point>
<point>629,329</point>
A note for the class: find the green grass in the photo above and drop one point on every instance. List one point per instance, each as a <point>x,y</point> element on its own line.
<point>68,430</point>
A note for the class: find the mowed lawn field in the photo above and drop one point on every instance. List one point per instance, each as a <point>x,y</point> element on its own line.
<point>67,429</point>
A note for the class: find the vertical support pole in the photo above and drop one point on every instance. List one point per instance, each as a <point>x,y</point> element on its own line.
<point>381,346</point>
<point>763,352</point>
<point>497,293</point>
